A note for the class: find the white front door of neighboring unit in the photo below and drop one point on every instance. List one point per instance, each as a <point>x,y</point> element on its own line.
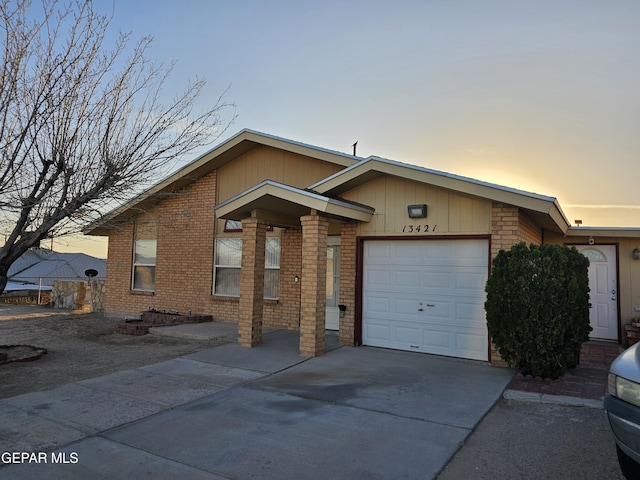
<point>603,294</point>
<point>332,314</point>
<point>426,296</point>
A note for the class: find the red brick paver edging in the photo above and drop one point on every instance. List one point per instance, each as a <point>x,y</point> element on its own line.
<point>588,380</point>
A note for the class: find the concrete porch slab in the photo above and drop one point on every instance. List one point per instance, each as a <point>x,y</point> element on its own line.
<point>278,351</point>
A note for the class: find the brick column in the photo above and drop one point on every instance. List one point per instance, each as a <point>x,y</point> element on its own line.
<point>251,302</point>
<point>313,286</point>
<point>504,227</point>
<point>348,282</point>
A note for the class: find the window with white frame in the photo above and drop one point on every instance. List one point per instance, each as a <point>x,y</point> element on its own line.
<point>272,268</point>
<point>228,261</point>
<point>144,254</point>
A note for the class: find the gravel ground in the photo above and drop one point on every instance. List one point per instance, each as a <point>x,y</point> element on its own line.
<point>523,440</point>
<point>79,346</point>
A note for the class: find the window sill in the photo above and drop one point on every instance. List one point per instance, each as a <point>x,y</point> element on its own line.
<point>144,293</point>
<point>233,299</point>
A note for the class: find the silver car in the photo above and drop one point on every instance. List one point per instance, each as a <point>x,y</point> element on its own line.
<point>622,407</point>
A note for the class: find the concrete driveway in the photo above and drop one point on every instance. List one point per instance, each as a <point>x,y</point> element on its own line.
<point>266,412</point>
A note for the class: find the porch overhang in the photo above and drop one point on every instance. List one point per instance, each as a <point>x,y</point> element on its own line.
<point>282,206</point>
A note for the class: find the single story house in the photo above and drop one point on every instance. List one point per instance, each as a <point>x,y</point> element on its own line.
<point>42,267</point>
<point>265,231</point>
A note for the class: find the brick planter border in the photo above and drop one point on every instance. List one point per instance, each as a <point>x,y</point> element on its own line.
<point>147,320</point>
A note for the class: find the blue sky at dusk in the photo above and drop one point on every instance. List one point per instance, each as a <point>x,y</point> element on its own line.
<point>542,96</point>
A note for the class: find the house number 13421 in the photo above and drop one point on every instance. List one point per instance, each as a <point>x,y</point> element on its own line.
<point>418,229</point>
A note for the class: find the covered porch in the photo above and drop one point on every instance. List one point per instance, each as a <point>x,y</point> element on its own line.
<point>278,205</point>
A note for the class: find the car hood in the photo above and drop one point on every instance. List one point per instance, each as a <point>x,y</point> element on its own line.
<point>627,364</point>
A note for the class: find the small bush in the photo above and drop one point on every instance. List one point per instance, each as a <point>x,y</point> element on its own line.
<point>538,307</point>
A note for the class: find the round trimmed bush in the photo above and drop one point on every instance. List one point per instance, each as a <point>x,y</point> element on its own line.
<point>538,307</point>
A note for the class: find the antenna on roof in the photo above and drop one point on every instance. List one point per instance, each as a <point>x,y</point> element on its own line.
<point>354,148</point>
<point>578,222</point>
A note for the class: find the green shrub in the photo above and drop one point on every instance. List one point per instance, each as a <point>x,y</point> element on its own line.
<point>538,307</point>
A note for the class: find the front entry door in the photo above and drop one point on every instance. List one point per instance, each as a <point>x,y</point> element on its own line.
<point>332,319</point>
<point>603,296</point>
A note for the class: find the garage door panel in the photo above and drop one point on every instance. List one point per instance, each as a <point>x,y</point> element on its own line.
<point>405,251</point>
<point>437,279</point>
<point>379,253</point>
<point>405,334</point>
<point>377,277</point>
<point>434,311</point>
<point>406,306</point>
<point>432,298</point>
<point>377,306</point>
<point>438,254</point>
<point>473,342</point>
<point>379,334</point>
<point>406,278</point>
<point>436,341</point>
<point>469,313</point>
<point>473,282</point>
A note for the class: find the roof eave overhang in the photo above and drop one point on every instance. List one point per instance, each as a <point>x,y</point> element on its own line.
<point>236,146</point>
<point>283,205</point>
<point>614,232</point>
<point>545,210</point>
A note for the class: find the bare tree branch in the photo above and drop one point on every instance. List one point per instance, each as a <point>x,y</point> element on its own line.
<point>83,125</point>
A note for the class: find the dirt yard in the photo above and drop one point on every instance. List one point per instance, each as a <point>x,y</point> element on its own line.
<point>80,346</point>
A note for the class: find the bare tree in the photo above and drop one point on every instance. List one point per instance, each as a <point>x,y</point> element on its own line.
<point>82,126</point>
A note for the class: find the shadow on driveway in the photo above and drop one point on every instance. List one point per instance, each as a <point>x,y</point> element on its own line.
<point>265,412</point>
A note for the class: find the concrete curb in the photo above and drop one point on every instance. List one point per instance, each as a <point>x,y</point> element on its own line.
<point>551,399</point>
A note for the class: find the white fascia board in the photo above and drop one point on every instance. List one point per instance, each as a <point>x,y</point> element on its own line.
<point>294,195</point>
<point>303,148</point>
<point>539,203</point>
<point>621,232</point>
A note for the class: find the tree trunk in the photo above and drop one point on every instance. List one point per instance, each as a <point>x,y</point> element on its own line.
<point>3,278</point>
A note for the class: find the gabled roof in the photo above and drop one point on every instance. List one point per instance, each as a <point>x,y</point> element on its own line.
<point>357,171</point>
<point>236,146</point>
<point>543,209</point>
<point>44,266</point>
<point>283,205</point>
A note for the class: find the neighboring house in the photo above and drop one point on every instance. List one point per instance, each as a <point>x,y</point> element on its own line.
<point>265,231</point>
<point>41,267</point>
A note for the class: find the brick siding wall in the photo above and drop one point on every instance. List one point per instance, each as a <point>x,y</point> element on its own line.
<point>509,226</point>
<point>184,255</point>
<point>184,259</point>
<point>286,314</point>
<point>118,299</point>
<point>530,232</point>
<point>313,296</point>
<point>348,282</point>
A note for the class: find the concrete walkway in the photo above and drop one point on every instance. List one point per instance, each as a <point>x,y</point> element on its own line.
<point>266,412</point>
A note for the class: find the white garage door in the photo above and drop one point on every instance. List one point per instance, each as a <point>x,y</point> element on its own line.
<point>426,296</point>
